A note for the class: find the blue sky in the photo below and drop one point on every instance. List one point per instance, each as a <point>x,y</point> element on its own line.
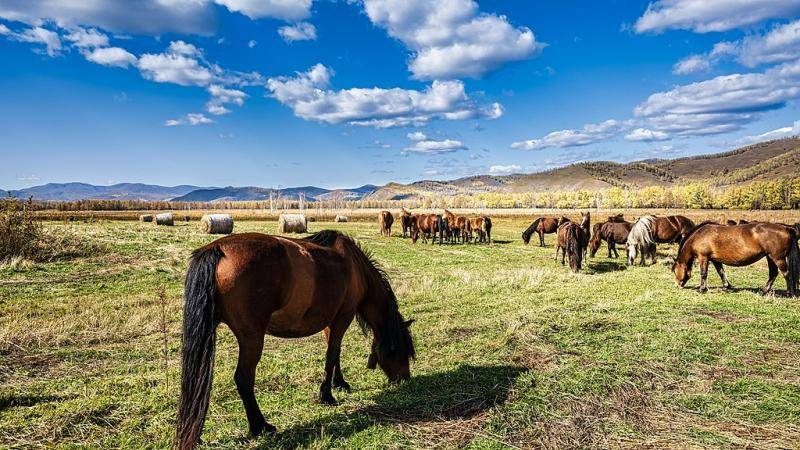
<point>344,93</point>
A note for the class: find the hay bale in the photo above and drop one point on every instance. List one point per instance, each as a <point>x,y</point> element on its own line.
<point>217,224</point>
<point>340,219</point>
<point>292,223</point>
<point>142,218</point>
<point>165,219</point>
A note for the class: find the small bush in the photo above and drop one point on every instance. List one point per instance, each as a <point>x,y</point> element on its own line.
<point>22,236</point>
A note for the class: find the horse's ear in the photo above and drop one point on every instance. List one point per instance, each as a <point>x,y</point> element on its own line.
<point>408,322</point>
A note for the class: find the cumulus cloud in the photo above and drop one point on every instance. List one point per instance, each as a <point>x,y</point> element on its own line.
<point>178,64</point>
<point>589,134</point>
<point>111,56</point>
<point>645,135</point>
<point>435,147</point>
<point>37,35</point>
<point>87,38</point>
<point>417,136</point>
<point>302,31</point>
<point>221,96</point>
<point>703,16</point>
<point>288,10</point>
<point>451,38</point>
<point>190,119</point>
<point>504,170</point>
<point>310,96</point>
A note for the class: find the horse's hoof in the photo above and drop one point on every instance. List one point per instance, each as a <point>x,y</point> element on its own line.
<point>343,385</point>
<point>702,290</point>
<point>763,292</point>
<point>263,428</point>
<point>727,288</point>
<point>326,398</point>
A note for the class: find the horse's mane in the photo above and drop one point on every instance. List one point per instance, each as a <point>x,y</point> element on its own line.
<point>526,235</point>
<point>693,231</point>
<point>573,246</point>
<point>324,238</point>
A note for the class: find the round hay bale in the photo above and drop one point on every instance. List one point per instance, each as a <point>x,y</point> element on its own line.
<point>292,223</point>
<point>142,218</point>
<point>217,224</point>
<point>340,219</point>
<point>165,219</point>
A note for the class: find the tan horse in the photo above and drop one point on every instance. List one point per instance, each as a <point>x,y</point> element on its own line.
<point>288,288</point>
<point>427,226</point>
<point>739,245</point>
<point>386,220</point>
<point>482,226</point>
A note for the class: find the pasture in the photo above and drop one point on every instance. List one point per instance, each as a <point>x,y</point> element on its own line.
<point>514,351</point>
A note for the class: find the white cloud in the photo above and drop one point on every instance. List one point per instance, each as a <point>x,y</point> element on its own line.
<point>288,10</point>
<point>645,135</point>
<point>417,136</point>
<point>178,64</point>
<point>252,43</point>
<point>302,31</point>
<point>221,96</point>
<point>38,35</point>
<point>435,147</point>
<point>504,170</point>
<point>311,98</point>
<point>4,30</point>
<point>111,56</point>
<point>451,38</point>
<point>703,16</point>
<point>779,133</point>
<point>190,119</point>
<point>87,38</point>
<point>692,64</point>
<point>589,134</point>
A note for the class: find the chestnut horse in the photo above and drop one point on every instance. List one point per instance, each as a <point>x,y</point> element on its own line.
<point>386,220</point>
<point>458,226</point>
<point>406,220</point>
<point>427,225</point>
<point>571,238</point>
<point>541,226</point>
<point>739,245</point>
<point>651,230</point>
<point>611,232</point>
<point>482,226</point>
<point>289,288</point>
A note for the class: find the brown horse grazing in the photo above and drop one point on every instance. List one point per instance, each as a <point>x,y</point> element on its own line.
<point>651,230</point>
<point>483,228</point>
<point>427,225</point>
<point>586,223</point>
<point>571,239</point>
<point>406,220</point>
<point>739,245</point>
<point>386,220</point>
<point>540,226</point>
<point>613,233</point>
<point>259,284</point>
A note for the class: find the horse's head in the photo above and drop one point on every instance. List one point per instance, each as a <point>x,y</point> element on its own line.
<point>526,238</point>
<point>414,229</point>
<point>632,250</point>
<point>683,272</point>
<point>393,358</point>
<point>594,244</point>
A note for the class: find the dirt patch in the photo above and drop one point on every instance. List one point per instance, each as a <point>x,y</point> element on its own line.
<point>724,316</point>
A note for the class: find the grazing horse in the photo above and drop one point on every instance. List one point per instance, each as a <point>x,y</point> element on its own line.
<point>739,245</point>
<point>406,220</point>
<point>428,225</point>
<point>571,239</point>
<point>586,223</point>
<point>540,226</point>
<point>483,228</point>
<point>386,220</point>
<point>651,230</point>
<point>289,288</point>
<point>611,232</point>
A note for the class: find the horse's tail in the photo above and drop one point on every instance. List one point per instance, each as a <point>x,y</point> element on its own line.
<point>793,261</point>
<point>200,322</point>
<point>487,224</point>
<point>526,235</point>
<point>574,250</point>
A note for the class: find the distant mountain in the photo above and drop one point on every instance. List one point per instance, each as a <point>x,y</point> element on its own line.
<point>84,191</point>
<point>763,161</point>
<point>311,193</point>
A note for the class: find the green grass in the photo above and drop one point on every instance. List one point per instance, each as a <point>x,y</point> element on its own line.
<point>513,351</point>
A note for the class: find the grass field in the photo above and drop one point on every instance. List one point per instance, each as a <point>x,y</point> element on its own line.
<point>513,351</point>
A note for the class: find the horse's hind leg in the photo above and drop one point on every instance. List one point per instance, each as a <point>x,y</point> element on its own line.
<point>335,335</point>
<point>783,267</point>
<point>703,263</point>
<point>773,273</point>
<point>250,348</point>
<point>338,377</point>
<point>541,238</point>
<point>721,271</point>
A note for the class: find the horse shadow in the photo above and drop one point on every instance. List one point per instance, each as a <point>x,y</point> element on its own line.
<point>462,393</point>
<point>607,266</point>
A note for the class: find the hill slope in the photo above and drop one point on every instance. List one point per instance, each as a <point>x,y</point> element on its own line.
<point>121,191</point>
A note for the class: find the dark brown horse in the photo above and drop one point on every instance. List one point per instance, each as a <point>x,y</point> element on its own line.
<point>427,226</point>
<point>289,288</point>
<point>541,226</point>
<point>386,220</point>
<point>739,245</point>
<point>406,220</point>
<point>612,233</point>
<point>651,230</point>
<point>616,218</point>
<point>571,239</point>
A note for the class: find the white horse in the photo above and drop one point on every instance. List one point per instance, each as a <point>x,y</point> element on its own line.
<point>640,240</point>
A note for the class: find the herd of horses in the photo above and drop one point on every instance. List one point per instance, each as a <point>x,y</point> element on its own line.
<point>259,284</point>
<point>446,227</point>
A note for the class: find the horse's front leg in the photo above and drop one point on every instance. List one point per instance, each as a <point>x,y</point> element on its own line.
<point>703,263</point>
<point>334,335</point>
<point>250,348</point>
<point>721,271</point>
<point>773,273</point>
